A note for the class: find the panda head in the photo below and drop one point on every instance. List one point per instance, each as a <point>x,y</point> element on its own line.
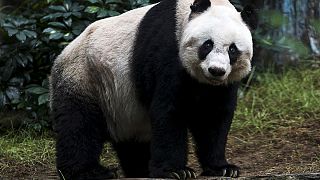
<point>216,45</point>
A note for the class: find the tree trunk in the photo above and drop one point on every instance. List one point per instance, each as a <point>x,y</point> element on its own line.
<point>301,14</point>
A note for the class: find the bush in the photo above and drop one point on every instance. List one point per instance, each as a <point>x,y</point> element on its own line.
<point>31,36</point>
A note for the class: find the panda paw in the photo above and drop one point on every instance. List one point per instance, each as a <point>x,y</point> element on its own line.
<point>182,174</point>
<point>229,170</point>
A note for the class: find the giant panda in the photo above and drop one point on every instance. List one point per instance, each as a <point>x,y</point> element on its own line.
<point>143,80</point>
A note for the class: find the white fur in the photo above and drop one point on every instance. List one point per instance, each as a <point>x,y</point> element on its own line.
<point>223,25</point>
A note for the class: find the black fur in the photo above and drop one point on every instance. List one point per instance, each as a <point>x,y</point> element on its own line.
<point>205,49</point>
<point>233,53</point>
<point>134,158</point>
<point>175,101</point>
<point>200,5</point>
<point>250,16</point>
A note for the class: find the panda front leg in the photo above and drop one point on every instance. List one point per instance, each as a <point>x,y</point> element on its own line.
<point>210,132</point>
<point>210,149</point>
<point>169,141</point>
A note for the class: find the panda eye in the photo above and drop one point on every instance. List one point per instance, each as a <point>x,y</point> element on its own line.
<point>208,44</point>
<point>233,49</point>
<point>233,53</point>
<point>205,49</point>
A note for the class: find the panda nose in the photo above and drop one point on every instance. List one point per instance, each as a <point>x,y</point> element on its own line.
<point>216,71</point>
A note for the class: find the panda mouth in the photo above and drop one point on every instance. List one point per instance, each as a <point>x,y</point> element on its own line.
<point>215,81</point>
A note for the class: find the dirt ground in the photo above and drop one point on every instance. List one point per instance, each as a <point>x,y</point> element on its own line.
<point>282,151</point>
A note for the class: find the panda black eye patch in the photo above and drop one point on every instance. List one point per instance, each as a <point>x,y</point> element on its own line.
<point>234,53</point>
<point>205,49</point>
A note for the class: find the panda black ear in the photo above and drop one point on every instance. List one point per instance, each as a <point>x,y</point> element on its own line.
<point>199,6</point>
<point>250,16</point>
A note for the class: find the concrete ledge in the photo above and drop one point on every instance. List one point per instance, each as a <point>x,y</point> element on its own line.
<point>315,176</point>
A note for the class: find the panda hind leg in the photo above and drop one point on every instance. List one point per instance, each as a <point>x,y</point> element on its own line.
<point>134,158</point>
<point>81,133</point>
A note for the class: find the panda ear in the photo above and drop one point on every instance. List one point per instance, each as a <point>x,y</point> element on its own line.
<point>250,16</point>
<point>199,6</point>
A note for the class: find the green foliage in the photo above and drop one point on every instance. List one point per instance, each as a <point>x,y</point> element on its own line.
<point>277,100</point>
<point>270,36</point>
<point>27,147</point>
<point>31,36</point>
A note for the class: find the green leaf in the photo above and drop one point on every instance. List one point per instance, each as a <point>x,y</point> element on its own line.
<point>21,105</point>
<point>37,90</point>
<point>94,1</point>
<point>113,13</point>
<point>67,4</point>
<point>16,81</point>
<point>30,34</point>
<point>27,76</point>
<point>49,31</point>
<point>68,22</point>
<point>66,15</point>
<point>52,16</point>
<point>12,93</point>
<point>8,25</point>
<point>56,36</point>
<point>76,7</point>
<point>44,98</point>
<point>102,13</point>
<point>57,24</point>
<point>21,61</point>
<point>76,14</point>
<point>3,99</point>
<point>21,21</point>
<point>58,8</point>
<point>21,36</point>
<point>15,101</point>
<point>114,2</point>
<point>92,9</point>
<point>11,31</point>
<point>68,36</point>
<point>45,83</point>
<point>78,28</point>
<point>50,1</point>
<point>8,70</point>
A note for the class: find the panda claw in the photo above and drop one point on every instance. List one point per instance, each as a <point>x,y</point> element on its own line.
<point>189,175</point>
<point>175,175</point>
<point>191,172</point>
<point>184,174</point>
<point>235,173</point>
<point>232,173</point>
<point>193,175</point>
<point>224,172</point>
